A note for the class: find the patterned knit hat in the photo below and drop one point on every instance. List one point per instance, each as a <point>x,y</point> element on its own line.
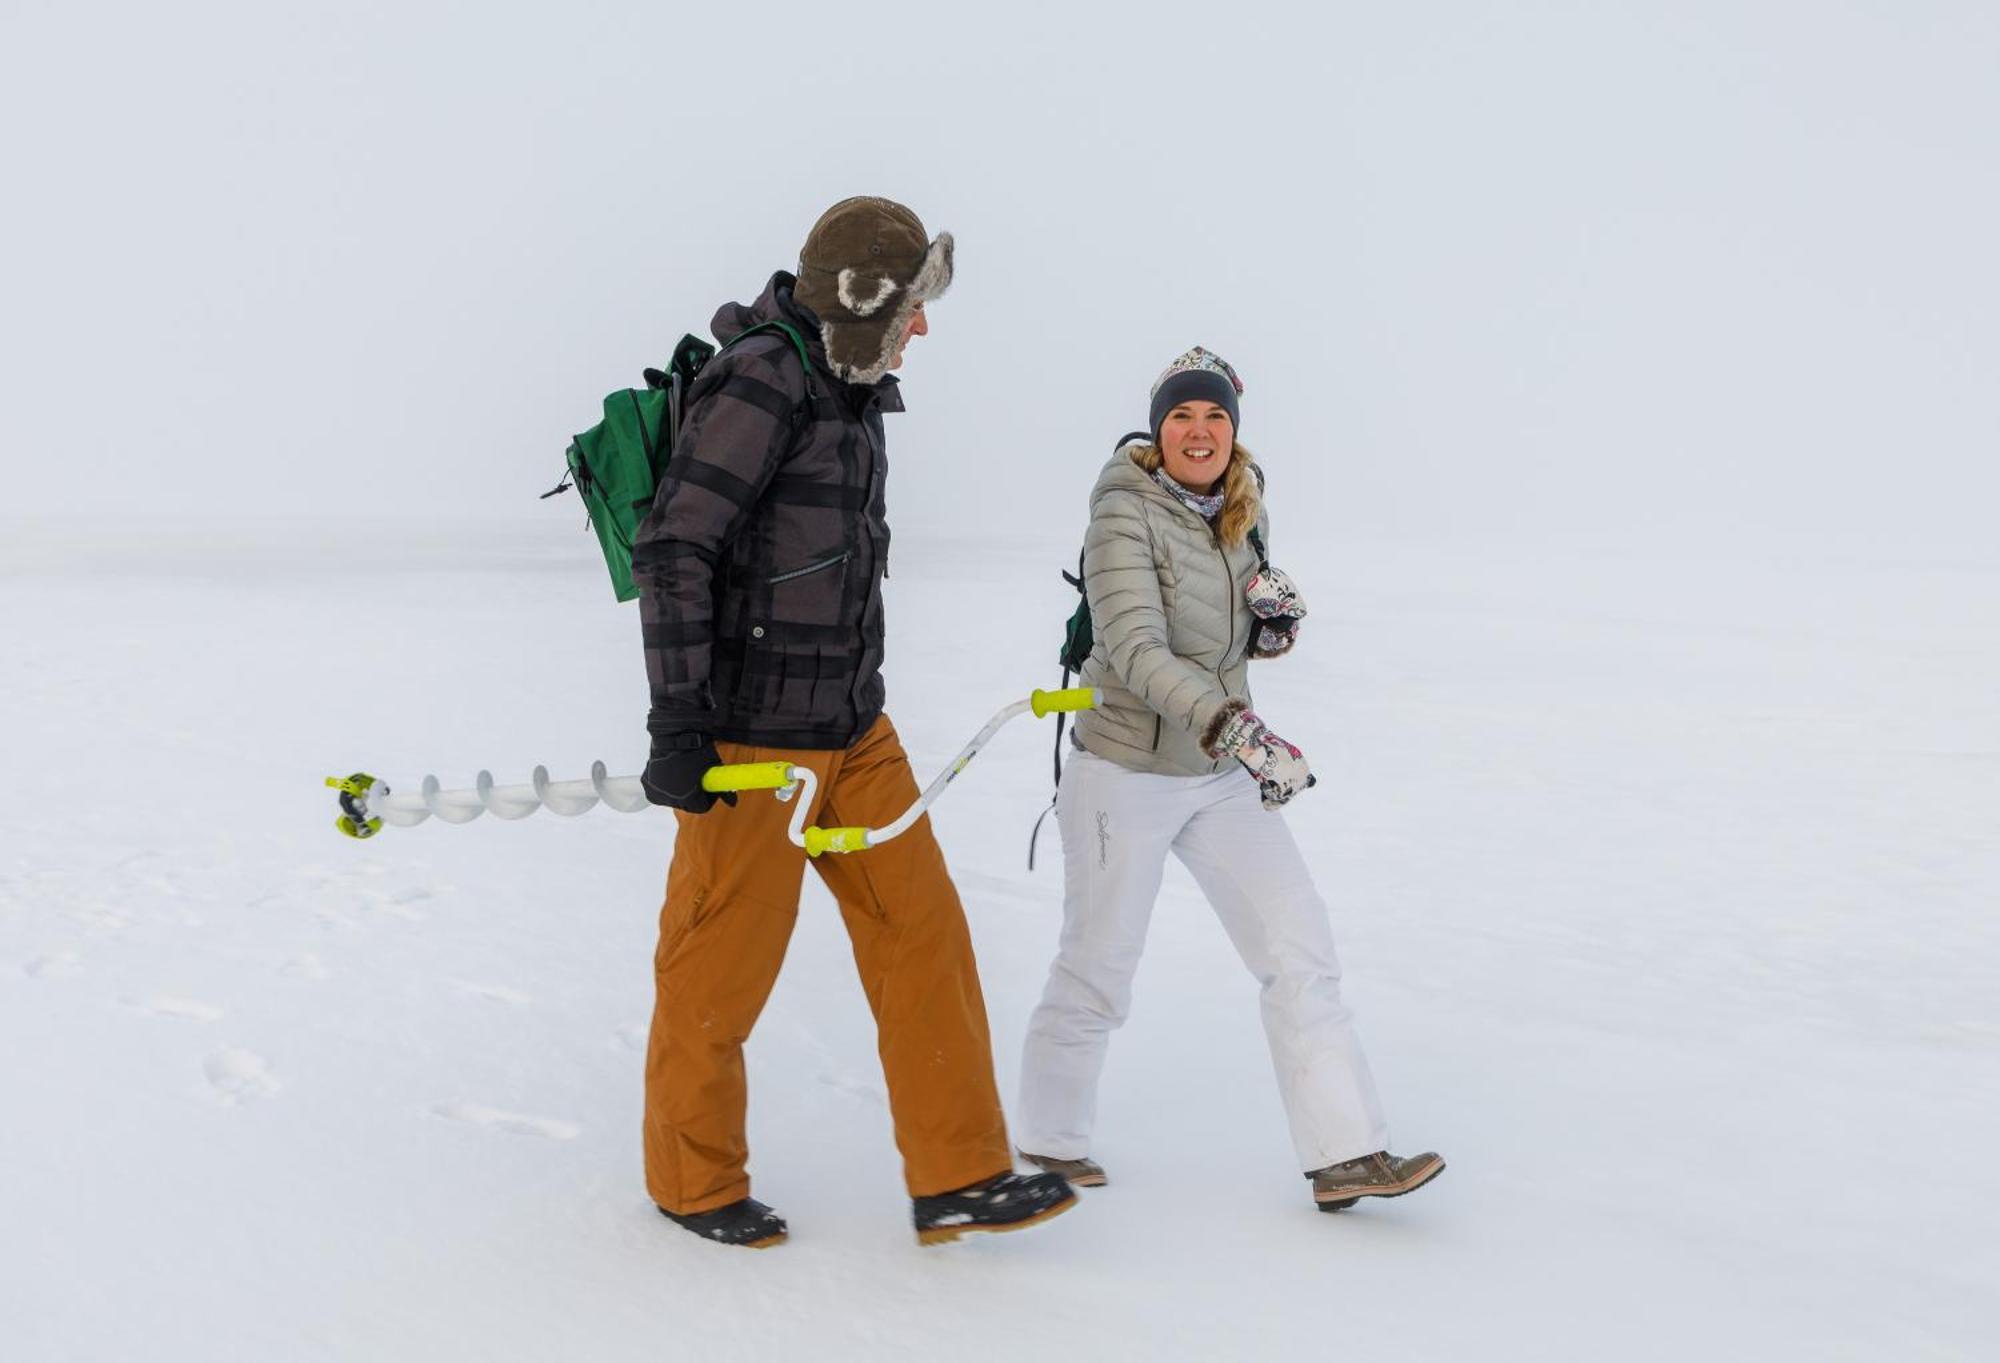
<point>1198,376</point>
<point>866,268</point>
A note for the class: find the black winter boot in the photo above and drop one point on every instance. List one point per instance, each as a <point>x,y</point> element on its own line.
<point>748,1223</point>
<point>1004,1202</point>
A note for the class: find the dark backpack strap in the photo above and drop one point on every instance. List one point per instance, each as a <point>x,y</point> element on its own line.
<point>1076,582</point>
<point>695,354</point>
<point>1035,833</point>
<point>1257,540</point>
<point>798,345</point>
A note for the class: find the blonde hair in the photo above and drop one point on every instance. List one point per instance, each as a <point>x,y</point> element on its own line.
<point>1241,500</point>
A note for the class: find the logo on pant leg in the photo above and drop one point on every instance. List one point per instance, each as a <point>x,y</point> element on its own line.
<point>1103,839</point>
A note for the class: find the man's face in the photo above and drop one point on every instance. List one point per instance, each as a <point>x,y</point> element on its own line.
<point>917,326</point>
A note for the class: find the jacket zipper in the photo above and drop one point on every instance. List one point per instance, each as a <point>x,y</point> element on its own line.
<point>809,568</point>
<point>875,455</point>
<point>1229,601</point>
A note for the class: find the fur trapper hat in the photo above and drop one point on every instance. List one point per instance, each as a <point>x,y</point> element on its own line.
<point>866,268</point>
<point>1201,375</point>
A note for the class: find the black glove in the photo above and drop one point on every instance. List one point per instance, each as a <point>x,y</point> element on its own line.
<point>674,771</point>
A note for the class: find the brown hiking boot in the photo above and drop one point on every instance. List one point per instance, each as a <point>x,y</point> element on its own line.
<point>1081,1173</point>
<point>1338,1186</point>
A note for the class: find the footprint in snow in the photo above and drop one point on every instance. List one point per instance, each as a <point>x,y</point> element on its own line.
<point>1014,893</point>
<point>872,1094</point>
<point>238,1076</point>
<point>513,1123</point>
<point>167,1006</point>
<point>56,965</point>
<point>397,903</point>
<point>496,993</point>
<point>305,967</point>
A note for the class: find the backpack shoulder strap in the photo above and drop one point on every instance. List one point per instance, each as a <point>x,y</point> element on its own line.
<point>798,345</point>
<point>1256,538</point>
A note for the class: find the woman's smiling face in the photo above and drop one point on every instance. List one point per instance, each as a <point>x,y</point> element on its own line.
<point>1196,439</point>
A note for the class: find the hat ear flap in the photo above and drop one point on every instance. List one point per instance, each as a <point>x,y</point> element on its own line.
<point>858,352</point>
<point>864,294</point>
<point>934,275</point>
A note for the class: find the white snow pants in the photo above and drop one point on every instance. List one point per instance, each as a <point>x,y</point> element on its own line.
<point>1117,827</point>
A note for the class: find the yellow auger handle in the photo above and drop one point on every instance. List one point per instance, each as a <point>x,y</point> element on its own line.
<point>747,776</point>
<point>1075,698</point>
<point>835,840</point>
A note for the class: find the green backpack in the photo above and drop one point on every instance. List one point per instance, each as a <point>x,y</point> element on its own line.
<point>617,464</point>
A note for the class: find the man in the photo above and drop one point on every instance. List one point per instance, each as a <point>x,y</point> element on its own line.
<point>760,570</point>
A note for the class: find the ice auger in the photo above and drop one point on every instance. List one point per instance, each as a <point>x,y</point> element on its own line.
<point>367,803</point>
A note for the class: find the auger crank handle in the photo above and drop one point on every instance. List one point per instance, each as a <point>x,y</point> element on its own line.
<point>749,776</point>
<point>1045,703</point>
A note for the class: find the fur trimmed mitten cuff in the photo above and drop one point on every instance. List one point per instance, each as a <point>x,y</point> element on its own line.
<point>1230,729</point>
<point>1280,768</point>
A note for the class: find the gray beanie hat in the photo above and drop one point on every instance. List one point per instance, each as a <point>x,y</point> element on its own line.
<point>866,268</point>
<point>1198,376</point>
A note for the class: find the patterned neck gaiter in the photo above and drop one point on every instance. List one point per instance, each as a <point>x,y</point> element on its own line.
<point>1206,507</point>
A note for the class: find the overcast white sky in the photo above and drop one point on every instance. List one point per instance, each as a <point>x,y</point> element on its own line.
<point>1646,269</point>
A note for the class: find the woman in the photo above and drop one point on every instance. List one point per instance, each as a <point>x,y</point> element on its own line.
<point>1174,760</point>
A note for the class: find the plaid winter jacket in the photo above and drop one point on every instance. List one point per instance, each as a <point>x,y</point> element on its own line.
<point>760,564</point>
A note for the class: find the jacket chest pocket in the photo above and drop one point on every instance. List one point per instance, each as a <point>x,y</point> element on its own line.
<point>820,566</point>
<point>809,590</point>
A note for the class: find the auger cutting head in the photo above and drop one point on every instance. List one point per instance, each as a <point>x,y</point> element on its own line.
<point>355,820</point>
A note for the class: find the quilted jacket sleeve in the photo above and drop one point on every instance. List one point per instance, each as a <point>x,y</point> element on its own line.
<point>1122,582</point>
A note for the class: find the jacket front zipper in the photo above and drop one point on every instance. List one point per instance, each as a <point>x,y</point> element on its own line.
<point>809,568</point>
<point>1228,601</point>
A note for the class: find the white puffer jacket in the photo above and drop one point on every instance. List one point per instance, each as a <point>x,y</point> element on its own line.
<point>1170,625</point>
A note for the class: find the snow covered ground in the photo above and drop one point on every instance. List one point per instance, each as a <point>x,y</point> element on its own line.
<point>1666,890</point>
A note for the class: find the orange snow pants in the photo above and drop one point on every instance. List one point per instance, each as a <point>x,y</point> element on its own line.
<point>732,896</point>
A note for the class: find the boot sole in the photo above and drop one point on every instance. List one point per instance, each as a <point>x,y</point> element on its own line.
<point>1097,1180</point>
<point>944,1235</point>
<point>1341,1204</point>
<point>765,1243</point>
